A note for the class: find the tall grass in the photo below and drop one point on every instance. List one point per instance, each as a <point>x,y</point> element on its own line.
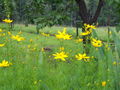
<point>34,69</point>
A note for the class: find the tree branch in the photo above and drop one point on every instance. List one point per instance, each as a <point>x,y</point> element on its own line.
<point>97,13</point>
<point>82,10</point>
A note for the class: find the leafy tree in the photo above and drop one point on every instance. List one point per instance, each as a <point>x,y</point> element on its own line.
<point>117,5</point>
<point>58,12</point>
<point>54,12</point>
<point>2,13</point>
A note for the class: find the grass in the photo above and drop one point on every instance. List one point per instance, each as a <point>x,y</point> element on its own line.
<point>34,69</point>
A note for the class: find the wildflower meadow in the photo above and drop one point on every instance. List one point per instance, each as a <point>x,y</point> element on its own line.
<point>59,45</point>
<point>57,60</point>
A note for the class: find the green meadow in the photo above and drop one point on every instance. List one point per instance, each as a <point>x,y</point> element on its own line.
<point>34,67</point>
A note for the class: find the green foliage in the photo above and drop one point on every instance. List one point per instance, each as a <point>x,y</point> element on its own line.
<point>37,70</point>
<point>118,28</point>
<point>55,12</point>
<point>117,5</point>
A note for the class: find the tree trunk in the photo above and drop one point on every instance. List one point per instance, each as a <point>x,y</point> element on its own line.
<point>97,13</point>
<point>87,18</point>
<point>85,14</point>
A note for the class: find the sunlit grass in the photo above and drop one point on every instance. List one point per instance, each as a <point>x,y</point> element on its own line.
<point>34,69</point>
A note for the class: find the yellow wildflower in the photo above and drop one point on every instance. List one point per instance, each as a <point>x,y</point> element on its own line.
<point>17,37</point>
<point>1,45</point>
<point>96,43</point>
<point>87,60</point>
<point>88,29</point>
<point>42,50</point>
<point>63,35</point>
<point>46,35</point>
<point>114,63</point>
<point>60,35</point>
<point>1,30</point>
<point>79,40</point>
<point>7,21</point>
<point>85,33</point>
<point>104,83</point>
<point>9,33</point>
<point>61,48</point>
<point>87,26</point>
<point>5,63</point>
<point>67,37</point>
<point>31,40</point>
<point>81,56</point>
<point>62,55</point>
<point>20,32</point>
<point>110,33</point>
<point>2,34</point>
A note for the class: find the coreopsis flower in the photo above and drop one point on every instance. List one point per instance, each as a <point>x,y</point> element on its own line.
<point>81,56</point>
<point>7,21</point>
<point>96,43</point>
<point>63,35</point>
<point>17,37</point>
<point>61,48</point>
<point>85,33</point>
<point>20,32</point>
<point>110,33</point>
<point>62,55</point>
<point>79,40</point>
<point>60,35</point>
<point>2,45</point>
<point>2,34</point>
<point>88,29</point>
<point>42,50</point>
<point>9,33</point>
<point>87,26</point>
<point>31,40</point>
<point>114,63</point>
<point>104,83</point>
<point>1,30</point>
<point>5,63</point>
<point>46,35</point>
<point>67,37</point>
